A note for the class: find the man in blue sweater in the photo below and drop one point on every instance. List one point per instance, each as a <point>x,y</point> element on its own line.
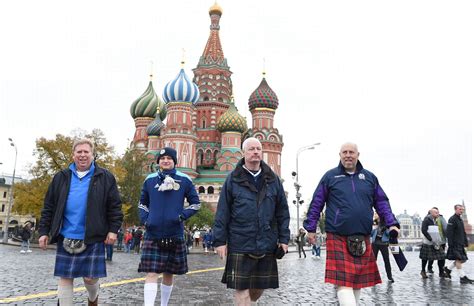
<point>350,193</point>
<point>162,211</point>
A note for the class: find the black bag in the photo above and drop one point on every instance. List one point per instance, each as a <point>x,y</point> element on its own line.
<point>168,244</point>
<point>279,252</point>
<point>356,245</point>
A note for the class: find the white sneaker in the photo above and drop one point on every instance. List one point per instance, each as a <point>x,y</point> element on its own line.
<point>318,257</point>
<point>22,251</point>
<point>29,251</point>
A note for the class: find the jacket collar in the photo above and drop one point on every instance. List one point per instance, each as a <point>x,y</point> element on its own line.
<point>342,170</point>
<point>240,174</point>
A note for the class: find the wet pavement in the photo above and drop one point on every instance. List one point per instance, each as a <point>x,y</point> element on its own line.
<point>28,279</point>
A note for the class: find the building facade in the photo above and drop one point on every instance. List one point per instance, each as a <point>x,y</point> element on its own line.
<point>199,119</point>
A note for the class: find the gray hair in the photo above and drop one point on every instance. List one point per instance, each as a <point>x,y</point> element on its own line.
<point>246,142</point>
<point>82,141</point>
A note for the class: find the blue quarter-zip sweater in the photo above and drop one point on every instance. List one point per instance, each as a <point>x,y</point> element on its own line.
<point>74,223</point>
<point>350,202</point>
<point>163,212</point>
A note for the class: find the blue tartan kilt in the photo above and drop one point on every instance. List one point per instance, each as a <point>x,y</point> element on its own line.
<point>90,263</point>
<point>157,260</point>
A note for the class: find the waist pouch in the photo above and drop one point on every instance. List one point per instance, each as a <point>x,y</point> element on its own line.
<point>166,243</point>
<point>356,245</point>
<point>74,246</point>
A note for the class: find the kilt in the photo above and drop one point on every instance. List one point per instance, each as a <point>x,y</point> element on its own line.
<point>457,252</point>
<point>244,272</point>
<point>157,260</point>
<point>90,263</point>
<point>428,252</point>
<point>343,269</point>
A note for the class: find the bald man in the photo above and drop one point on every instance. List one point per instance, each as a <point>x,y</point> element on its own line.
<point>350,193</point>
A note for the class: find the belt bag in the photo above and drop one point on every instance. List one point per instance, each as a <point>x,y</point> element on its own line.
<point>356,245</point>
<point>74,246</point>
<point>166,243</point>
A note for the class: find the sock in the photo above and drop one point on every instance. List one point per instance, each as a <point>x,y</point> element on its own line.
<point>65,295</point>
<point>165,294</point>
<point>346,296</point>
<point>93,290</point>
<point>452,265</point>
<point>357,295</point>
<point>461,273</point>
<point>149,293</point>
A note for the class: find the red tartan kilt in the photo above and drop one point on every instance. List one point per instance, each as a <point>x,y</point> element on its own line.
<point>343,269</point>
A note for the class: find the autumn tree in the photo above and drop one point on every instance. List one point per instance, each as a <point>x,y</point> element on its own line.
<point>202,219</point>
<point>53,155</point>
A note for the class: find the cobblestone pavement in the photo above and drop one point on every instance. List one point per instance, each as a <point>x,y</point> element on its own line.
<point>27,279</point>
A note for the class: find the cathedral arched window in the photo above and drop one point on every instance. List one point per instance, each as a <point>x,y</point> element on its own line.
<point>208,155</point>
<point>220,99</point>
<point>203,123</point>
<point>206,98</point>
<point>210,190</point>
<point>200,158</point>
<point>201,189</point>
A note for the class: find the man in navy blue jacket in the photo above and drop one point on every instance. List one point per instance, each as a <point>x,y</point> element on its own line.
<point>251,221</point>
<point>162,211</point>
<point>351,193</point>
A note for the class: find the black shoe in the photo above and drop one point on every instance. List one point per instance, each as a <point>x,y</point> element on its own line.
<point>391,280</point>
<point>447,272</point>
<point>423,274</point>
<point>466,280</point>
<point>442,274</point>
<point>430,271</point>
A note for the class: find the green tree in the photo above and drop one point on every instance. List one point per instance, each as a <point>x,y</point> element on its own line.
<point>133,163</point>
<point>203,218</point>
<point>53,155</point>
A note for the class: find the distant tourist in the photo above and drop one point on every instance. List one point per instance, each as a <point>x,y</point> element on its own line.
<point>433,229</point>
<point>350,194</point>
<point>80,218</point>
<point>301,241</point>
<point>25,238</point>
<point>457,242</point>
<point>380,241</point>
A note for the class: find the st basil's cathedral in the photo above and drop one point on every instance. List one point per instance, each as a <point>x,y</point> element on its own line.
<point>199,119</point>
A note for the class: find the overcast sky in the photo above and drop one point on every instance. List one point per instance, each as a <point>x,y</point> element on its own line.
<point>396,77</point>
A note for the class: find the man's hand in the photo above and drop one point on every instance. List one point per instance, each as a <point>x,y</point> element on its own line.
<point>222,251</point>
<point>43,242</point>
<point>111,238</point>
<point>311,238</point>
<point>284,247</point>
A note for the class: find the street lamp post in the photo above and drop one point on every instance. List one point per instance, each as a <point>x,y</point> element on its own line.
<point>10,199</point>
<point>297,184</point>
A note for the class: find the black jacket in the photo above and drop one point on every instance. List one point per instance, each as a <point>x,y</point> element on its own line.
<point>455,232</point>
<point>250,220</point>
<point>104,208</point>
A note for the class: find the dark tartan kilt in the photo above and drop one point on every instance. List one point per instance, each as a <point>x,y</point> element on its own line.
<point>457,252</point>
<point>157,260</point>
<point>90,263</point>
<point>244,272</point>
<point>343,269</point>
<point>428,252</point>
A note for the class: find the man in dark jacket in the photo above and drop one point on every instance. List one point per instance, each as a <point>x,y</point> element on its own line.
<point>433,244</point>
<point>251,223</point>
<point>82,209</point>
<point>350,194</point>
<point>457,241</point>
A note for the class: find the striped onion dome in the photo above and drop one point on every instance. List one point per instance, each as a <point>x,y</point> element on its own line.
<point>181,89</point>
<point>263,96</point>
<point>154,128</point>
<point>147,104</point>
<point>232,121</point>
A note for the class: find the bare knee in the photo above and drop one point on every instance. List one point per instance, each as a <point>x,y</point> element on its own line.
<point>90,281</point>
<point>242,297</point>
<point>167,279</point>
<point>66,281</point>
<point>151,278</point>
<point>255,294</point>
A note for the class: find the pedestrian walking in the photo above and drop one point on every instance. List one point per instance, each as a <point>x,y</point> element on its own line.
<point>127,239</point>
<point>350,194</point>
<point>82,209</point>
<point>120,236</point>
<point>162,211</point>
<point>137,240</point>
<point>457,241</point>
<point>25,238</point>
<point>380,240</point>
<point>251,225</point>
<point>316,246</point>
<point>109,252</point>
<point>433,229</point>
<point>196,237</point>
<point>301,242</point>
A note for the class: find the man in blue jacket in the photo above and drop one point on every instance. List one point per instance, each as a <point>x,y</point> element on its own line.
<point>162,211</point>
<point>251,223</point>
<point>350,193</point>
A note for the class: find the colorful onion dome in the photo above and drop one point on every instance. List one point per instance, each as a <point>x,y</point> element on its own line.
<point>181,89</point>
<point>263,96</point>
<point>215,9</point>
<point>232,121</point>
<point>147,103</point>
<point>154,128</point>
